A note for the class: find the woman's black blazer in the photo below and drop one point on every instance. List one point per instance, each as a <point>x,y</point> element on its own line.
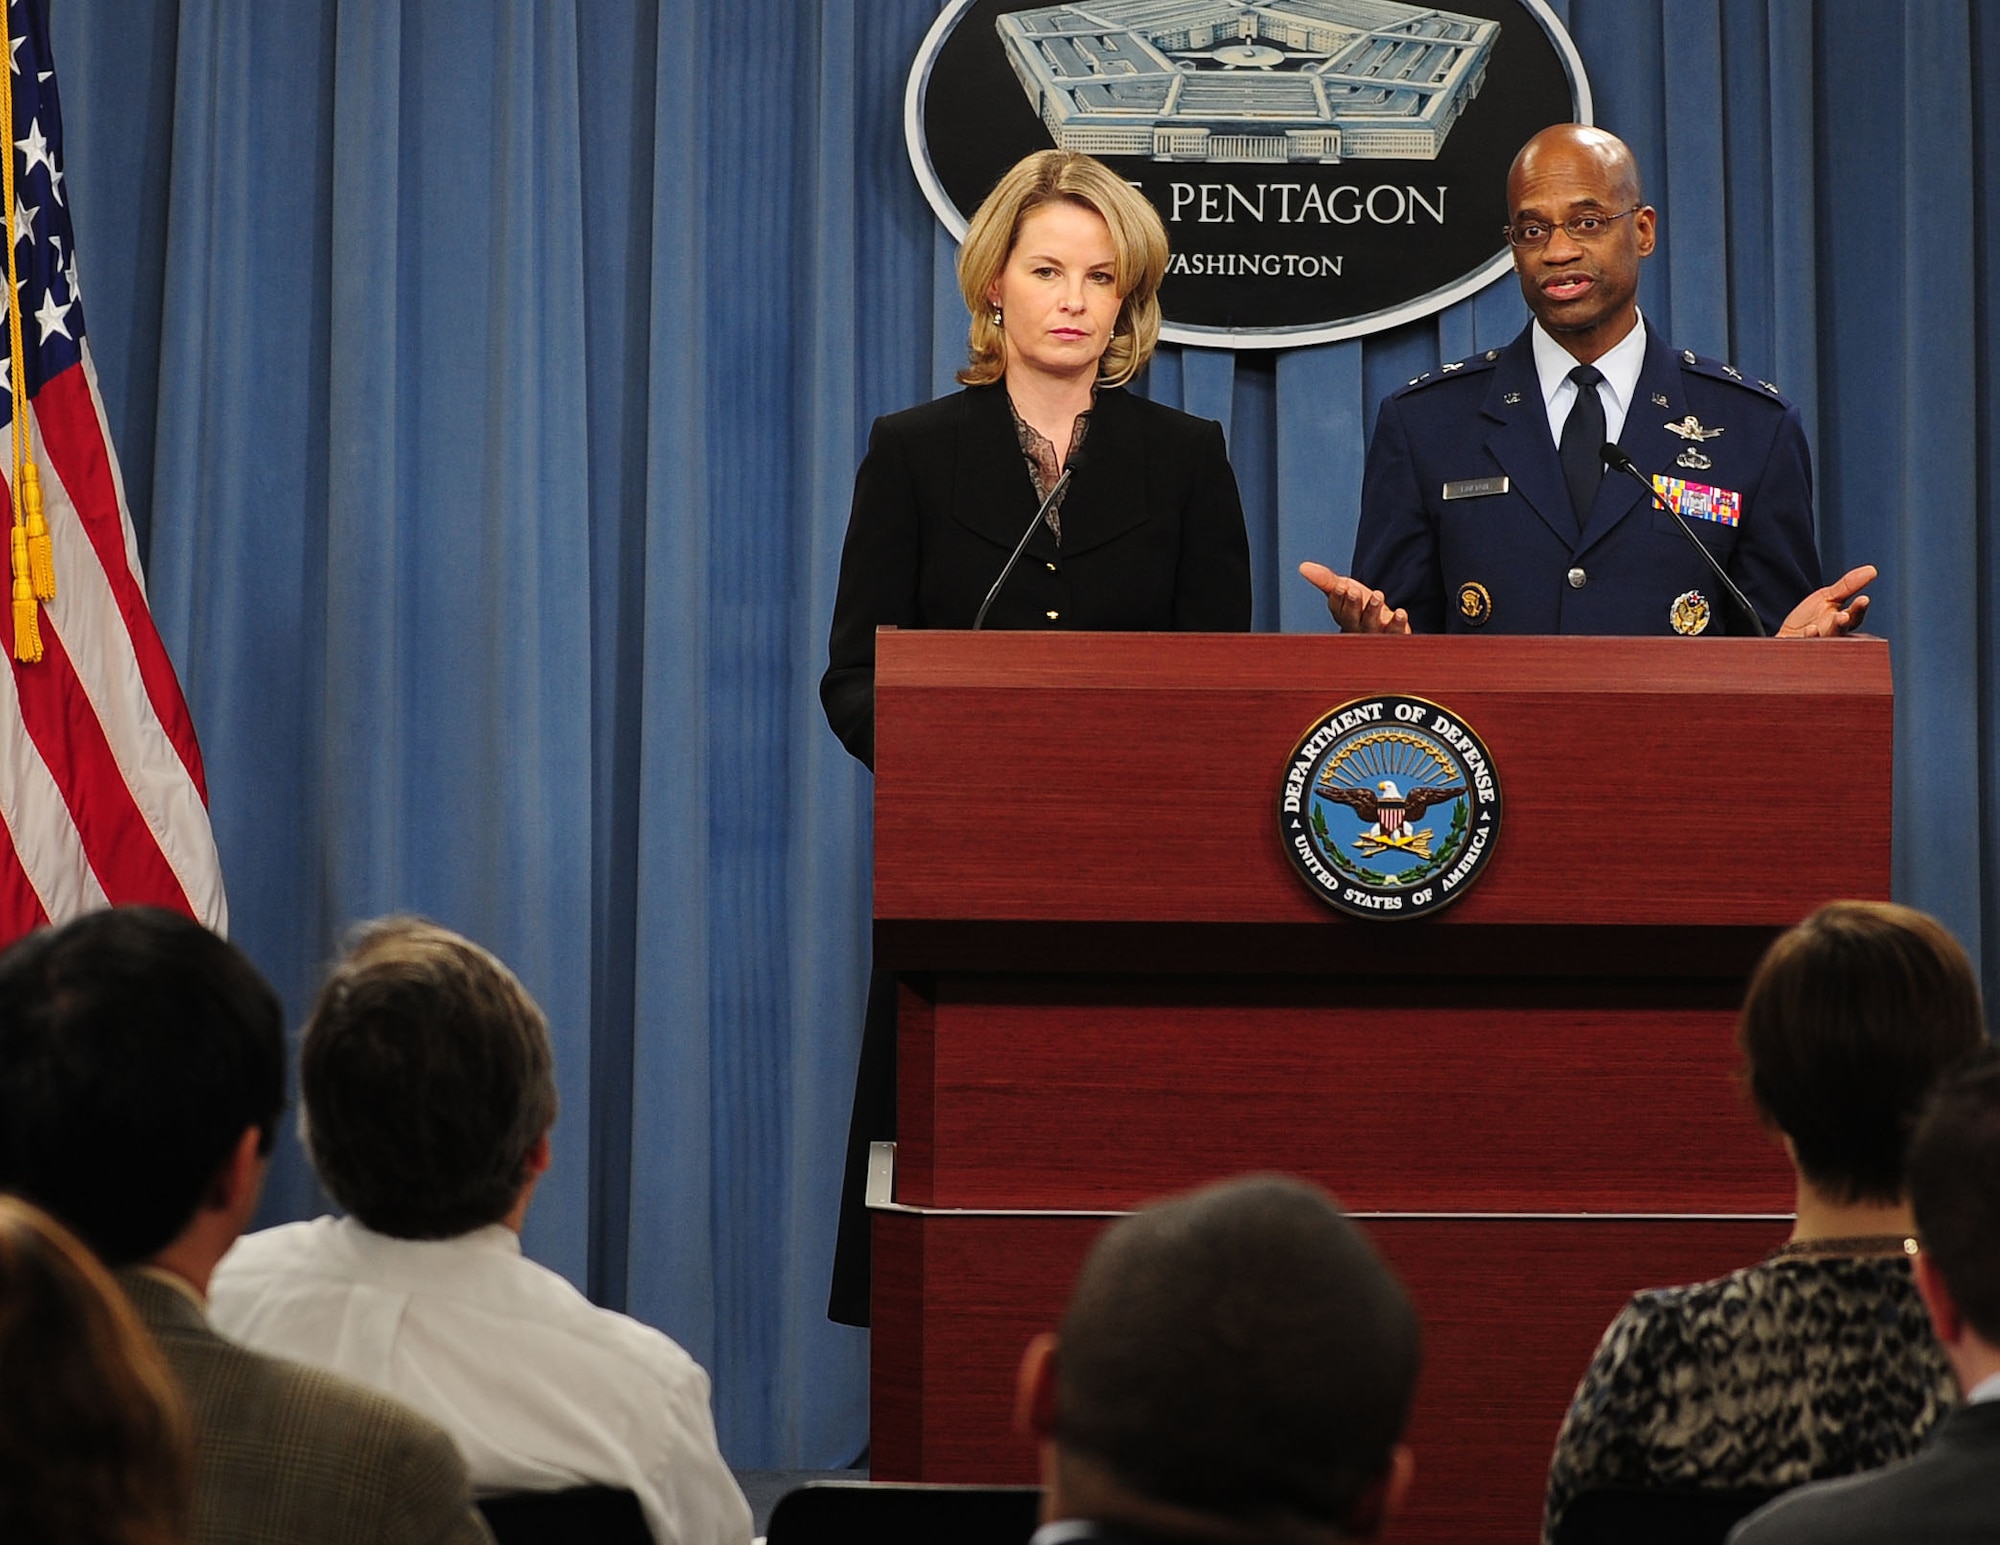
<point>1152,535</point>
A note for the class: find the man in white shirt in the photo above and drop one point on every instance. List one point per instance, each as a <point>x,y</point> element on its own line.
<point>142,1074</point>
<point>429,1090</point>
<point>1949,1489</point>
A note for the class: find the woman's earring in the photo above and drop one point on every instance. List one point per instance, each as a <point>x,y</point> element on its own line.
<point>996,316</point>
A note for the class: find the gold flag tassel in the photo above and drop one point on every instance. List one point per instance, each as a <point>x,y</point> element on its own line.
<point>31,551</point>
<point>41,550</point>
<point>27,611</point>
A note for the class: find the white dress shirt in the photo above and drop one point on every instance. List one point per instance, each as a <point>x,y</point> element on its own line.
<point>1986,1389</point>
<point>540,1388</point>
<point>1621,364</point>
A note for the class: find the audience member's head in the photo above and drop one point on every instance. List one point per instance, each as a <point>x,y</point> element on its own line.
<point>1236,1364</point>
<point>1955,1193</point>
<point>94,1445</point>
<point>428,1082</point>
<point>1850,1021</point>
<point>142,1074</point>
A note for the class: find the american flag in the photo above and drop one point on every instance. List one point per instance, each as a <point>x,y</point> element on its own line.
<point>103,799</point>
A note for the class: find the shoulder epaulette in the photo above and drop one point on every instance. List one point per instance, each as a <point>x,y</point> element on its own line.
<point>1717,370</point>
<point>1471,365</point>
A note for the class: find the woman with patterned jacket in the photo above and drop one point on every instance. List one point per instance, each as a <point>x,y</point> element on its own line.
<point>1819,1360</point>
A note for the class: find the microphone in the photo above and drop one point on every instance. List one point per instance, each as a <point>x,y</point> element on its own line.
<point>1615,458</point>
<point>1021,546</point>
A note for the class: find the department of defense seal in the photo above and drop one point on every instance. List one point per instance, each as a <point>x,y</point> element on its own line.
<point>1390,807</point>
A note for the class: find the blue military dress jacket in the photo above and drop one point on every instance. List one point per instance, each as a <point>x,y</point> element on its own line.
<point>1466,519</point>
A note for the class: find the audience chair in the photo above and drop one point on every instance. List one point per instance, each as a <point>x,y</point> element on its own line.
<point>894,1513</point>
<point>1618,1515</point>
<point>582,1515</point>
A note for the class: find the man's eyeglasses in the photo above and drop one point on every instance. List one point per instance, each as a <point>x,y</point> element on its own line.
<point>1589,226</point>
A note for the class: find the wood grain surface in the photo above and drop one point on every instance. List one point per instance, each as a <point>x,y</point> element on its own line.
<point>1115,987</point>
<point>1518,1095</point>
<point>1107,777</point>
<point>1511,1314</point>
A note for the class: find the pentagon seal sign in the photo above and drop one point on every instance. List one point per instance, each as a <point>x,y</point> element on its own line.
<point>1390,807</point>
<point>1324,168</point>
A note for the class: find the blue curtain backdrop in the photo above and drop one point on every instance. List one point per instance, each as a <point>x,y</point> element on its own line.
<point>490,376</point>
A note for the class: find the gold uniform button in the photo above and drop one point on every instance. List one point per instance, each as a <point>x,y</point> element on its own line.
<point>1052,616</point>
<point>1578,579</point>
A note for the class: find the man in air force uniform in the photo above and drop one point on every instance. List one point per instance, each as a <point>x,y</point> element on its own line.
<point>1485,504</point>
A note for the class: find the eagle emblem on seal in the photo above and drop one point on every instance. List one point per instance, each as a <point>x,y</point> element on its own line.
<point>1389,809</point>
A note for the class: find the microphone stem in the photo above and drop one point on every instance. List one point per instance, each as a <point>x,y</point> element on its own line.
<point>1021,546</point>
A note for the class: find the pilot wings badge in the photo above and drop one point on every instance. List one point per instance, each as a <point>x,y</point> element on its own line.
<point>1690,430</point>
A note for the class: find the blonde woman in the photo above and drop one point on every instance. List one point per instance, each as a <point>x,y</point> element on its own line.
<point>1061,272</point>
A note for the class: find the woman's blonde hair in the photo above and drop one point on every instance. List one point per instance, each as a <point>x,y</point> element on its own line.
<point>1137,236</point>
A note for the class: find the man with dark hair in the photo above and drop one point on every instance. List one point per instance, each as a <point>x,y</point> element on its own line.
<point>142,1072</point>
<point>429,1090</point>
<point>1949,1490</point>
<point>1235,1365</point>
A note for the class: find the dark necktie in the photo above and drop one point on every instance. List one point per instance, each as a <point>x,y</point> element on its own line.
<point>1583,442</point>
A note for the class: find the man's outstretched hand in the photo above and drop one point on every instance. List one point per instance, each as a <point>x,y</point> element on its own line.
<point>1830,610</point>
<point>1360,610</point>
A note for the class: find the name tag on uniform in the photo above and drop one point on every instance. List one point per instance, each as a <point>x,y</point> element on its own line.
<point>1475,487</point>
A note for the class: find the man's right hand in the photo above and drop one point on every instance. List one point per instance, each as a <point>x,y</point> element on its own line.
<point>1354,606</point>
<point>1832,610</point>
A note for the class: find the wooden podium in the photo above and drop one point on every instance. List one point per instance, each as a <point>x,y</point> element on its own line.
<point>1116,987</point>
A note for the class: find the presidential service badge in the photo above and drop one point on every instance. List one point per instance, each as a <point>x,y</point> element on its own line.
<point>1390,807</point>
<point>1690,613</point>
<point>1475,604</point>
